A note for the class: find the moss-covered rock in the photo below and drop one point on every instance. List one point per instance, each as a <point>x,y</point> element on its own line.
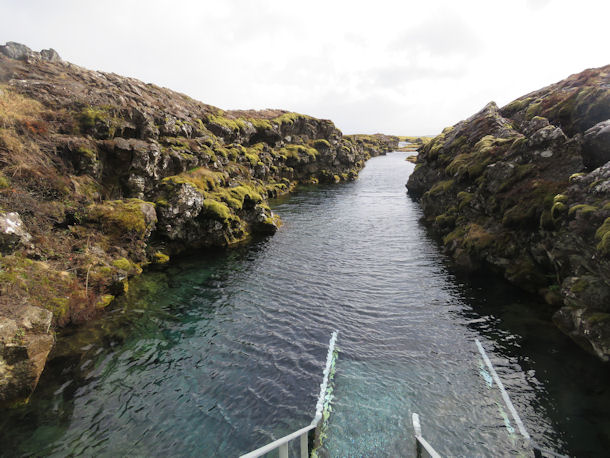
<point>524,190</point>
<point>124,218</point>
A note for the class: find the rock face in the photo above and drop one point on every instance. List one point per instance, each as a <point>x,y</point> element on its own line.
<point>524,191</point>
<point>25,342</point>
<point>101,175</point>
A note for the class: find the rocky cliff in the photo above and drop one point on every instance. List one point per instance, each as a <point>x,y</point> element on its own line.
<point>102,175</point>
<point>524,191</point>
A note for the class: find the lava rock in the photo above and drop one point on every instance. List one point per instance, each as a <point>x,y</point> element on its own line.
<point>596,145</point>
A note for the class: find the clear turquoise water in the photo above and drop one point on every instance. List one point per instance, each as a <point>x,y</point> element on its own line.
<point>223,352</point>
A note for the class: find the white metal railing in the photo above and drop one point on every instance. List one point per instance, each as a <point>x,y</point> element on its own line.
<point>538,451</point>
<point>303,433</point>
<point>420,441</point>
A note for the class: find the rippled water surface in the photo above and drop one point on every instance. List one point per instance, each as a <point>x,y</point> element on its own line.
<point>222,353</point>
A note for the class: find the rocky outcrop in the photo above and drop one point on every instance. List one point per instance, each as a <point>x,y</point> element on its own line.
<point>12,232</point>
<point>21,52</point>
<point>524,191</point>
<point>102,175</point>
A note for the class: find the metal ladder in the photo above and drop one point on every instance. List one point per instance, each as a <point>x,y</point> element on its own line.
<point>423,447</point>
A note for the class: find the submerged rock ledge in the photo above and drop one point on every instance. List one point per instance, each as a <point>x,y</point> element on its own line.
<point>524,190</point>
<point>102,175</point>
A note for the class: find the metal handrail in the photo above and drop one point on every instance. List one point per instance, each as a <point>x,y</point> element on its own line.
<point>303,433</point>
<point>282,444</point>
<point>538,450</point>
<point>420,441</point>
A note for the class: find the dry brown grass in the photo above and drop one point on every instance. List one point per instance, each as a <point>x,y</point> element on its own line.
<point>17,110</point>
<point>22,124</point>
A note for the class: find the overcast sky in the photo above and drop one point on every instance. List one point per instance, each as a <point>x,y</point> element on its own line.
<point>398,67</point>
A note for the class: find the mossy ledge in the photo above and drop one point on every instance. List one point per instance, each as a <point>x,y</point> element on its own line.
<point>102,175</point>
<point>524,191</point>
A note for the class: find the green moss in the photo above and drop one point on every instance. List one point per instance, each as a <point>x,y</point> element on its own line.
<point>467,165</point>
<point>127,266</point>
<point>603,235</point>
<point>87,152</point>
<point>4,181</point>
<point>518,143</point>
<point>446,220</point>
<point>41,285</point>
<point>456,236</point>
<point>299,152</point>
<point>321,144</point>
<point>261,124</point>
<point>472,163</point>
<point>91,115</point>
<point>19,336</point>
<point>236,197</point>
<point>177,143</point>
<point>579,285</point>
<point>464,198</point>
<point>218,210</point>
<point>119,217</point>
<point>574,177</point>
<point>289,118</point>
<point>533,110</point>
<point>581,209</point>
<point>122,264</point>
<point>523,214</point>
<point>441,187</point>
<point>232,124</point>
<point>603,229</point>
<point>104,301</point>
<point>160,258</point>
<point>201,178</point>
<point>560,198</point>
<point>253,159</point>
<point>474,238</point>
<point>558,209</point>
<point>516,105</point>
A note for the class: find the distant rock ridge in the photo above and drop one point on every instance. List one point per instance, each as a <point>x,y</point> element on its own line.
<point>524,191</point>
<point>102,175</point>
<point>18,51</point>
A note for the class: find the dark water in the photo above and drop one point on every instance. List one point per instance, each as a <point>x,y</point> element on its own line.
<point>222,353</point>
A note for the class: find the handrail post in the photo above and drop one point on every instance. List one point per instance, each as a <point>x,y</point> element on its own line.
<point>304,445</point>
<point>417,428</point>
<point>420,441</point>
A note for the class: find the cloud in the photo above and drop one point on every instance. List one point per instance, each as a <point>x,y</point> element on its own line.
<point>397,67</point>
<point>537,4</point>
<point>444,34</point>
<point>396,76</point>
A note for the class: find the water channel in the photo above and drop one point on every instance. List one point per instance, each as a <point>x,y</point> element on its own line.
<point>223,352</point>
